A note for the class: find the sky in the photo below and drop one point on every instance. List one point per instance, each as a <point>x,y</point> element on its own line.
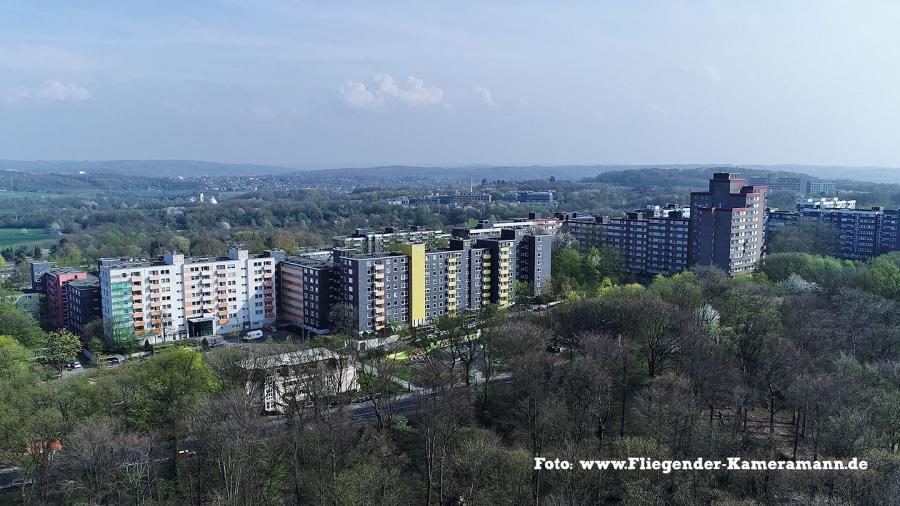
<point>346,83</point>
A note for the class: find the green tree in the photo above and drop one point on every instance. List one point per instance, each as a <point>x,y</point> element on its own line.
<point>20,325</point>
<point>813,237</point>
<point>13,358</point>
<point>602,263</point>
<point>171,384</point>
<point>61,346</point>
<point>284,240</point>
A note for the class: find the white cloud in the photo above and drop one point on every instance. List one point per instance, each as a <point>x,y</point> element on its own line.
<point>51,91</point>
<point>485,95</point>
<point>356,94</point>
<point>386,90</point>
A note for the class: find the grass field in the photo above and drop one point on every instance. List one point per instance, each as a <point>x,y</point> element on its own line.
<point>11,236</point>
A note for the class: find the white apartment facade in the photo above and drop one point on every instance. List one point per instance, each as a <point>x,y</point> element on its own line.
<point>178,297</point>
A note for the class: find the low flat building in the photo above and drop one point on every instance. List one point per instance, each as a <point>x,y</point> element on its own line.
<point>295,379</point>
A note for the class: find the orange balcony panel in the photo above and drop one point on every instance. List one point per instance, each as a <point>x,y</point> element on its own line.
<point>222,313</point>
<point>138,324</point>
<point>223,321</point>
<point>379,293</point>
<point>379,267</point>
<point>379,318</point>
<point>269,308</point>
<point>156,331</point>
<point>269,300</point>
<point>137,307</point>
<point>379,310</point>
<point>137,315</point>
<point>137,299</point>
<point>270,315</point>
<point>223,305</point>
<point>156,322</point>
<point>269,292</point>
<point>267,284</point>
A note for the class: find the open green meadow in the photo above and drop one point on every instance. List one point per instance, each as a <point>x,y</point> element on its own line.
<point>12,236</point>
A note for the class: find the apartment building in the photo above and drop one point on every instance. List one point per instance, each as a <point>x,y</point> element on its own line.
<point>83,303</point>
<point>863,233</point>
<point>415,285</point>
<point>654,240</point>
<point>651,244</point>
<point>38,269</point>
<point>54,282</point>
<point>305,292</point>
<point>365,241</point>
<point>777,183</point>
<point>726,228</point>
<point>375,286</point>
<point>820,186</point>
<point>177,297</point>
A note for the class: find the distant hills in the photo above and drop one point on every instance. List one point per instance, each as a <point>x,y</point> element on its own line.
<point>195,168</point>
<point>144,168</point>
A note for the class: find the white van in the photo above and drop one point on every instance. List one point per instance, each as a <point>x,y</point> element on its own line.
<point>253,335</point>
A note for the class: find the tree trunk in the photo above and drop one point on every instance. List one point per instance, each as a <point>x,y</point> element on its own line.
<point>771,413</point>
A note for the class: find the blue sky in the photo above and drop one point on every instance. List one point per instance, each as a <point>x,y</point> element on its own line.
<point>324,84</point>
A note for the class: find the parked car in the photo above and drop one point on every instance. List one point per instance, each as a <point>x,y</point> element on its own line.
<point>217,344</point>
<point>253,335</point>
<point>113,360</point>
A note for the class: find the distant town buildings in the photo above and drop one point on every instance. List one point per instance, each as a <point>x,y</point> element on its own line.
<point>534,223</point>
<point>545,197</point>
<point>794,184</point>
<point>456,199</point>
<point>825,203</point>
<point>820,186</point>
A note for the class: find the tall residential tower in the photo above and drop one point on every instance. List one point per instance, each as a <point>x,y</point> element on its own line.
<point>727,224</point>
